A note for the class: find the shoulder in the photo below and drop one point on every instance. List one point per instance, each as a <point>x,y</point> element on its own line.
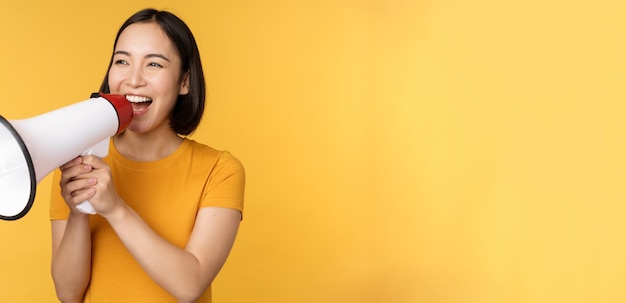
<point>220,159</point>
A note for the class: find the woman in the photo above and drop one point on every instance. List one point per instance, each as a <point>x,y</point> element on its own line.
<point>168,208</point>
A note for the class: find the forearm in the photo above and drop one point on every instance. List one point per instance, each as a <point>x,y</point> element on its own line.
<point>71,259</point>
<point>173,268</point>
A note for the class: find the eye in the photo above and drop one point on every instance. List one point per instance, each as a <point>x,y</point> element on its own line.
<point>154,64</point>
<point>120,62</point>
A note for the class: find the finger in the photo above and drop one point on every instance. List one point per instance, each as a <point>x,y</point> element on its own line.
<point>75,172</point>
<point>74,188</point>
<point>82,195</point>
<point>94,161</point>
<point>79,184</point>
<point>71,163</point>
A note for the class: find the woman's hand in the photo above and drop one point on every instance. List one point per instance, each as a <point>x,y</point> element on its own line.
<point>76,185</point>
<point>89,178</point>
<point>102,193</point>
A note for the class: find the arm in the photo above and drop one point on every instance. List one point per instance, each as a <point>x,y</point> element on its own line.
<point>71,258</point>
<point>71,239</point>
<point>183,272</point>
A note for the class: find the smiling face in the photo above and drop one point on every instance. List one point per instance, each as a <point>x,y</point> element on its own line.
<point>146,68</point>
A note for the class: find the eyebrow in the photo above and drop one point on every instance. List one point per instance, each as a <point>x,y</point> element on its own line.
<point>120,52</point>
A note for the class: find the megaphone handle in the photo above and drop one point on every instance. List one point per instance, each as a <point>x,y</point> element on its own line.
<point>101,149</point>
<point>86,208</point>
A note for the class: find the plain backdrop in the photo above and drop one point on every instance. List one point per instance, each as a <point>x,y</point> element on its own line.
<point>437,151</point>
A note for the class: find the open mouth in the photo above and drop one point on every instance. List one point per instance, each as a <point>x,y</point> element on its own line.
<point>139,103</point>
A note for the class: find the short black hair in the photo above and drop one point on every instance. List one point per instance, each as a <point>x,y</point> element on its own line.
<point>189,108</point>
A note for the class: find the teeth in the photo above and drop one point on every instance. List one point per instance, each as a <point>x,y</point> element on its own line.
<point>137,99</point>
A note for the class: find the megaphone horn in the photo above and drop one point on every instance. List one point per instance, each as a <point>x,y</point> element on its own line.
<point>32,148</point>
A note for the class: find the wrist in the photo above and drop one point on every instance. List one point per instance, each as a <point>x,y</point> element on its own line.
<point>76,218</point>
<point>118,212</point>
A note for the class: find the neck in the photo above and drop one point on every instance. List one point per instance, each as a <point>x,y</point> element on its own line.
<point>147,147</point>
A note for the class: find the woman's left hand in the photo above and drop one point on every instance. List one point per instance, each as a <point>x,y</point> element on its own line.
<point>105,198</point>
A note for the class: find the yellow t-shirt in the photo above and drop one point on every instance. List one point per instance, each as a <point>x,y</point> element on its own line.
<point>167,194</point>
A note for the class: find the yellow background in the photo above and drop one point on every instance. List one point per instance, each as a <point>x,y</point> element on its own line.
<point>396,151</point>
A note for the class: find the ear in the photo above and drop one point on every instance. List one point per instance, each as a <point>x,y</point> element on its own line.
<point>184,84</point>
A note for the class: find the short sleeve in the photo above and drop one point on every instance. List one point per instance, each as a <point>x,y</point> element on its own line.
<point>225,187</point>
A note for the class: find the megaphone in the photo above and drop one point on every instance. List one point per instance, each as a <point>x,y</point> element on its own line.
<point>32,148</point>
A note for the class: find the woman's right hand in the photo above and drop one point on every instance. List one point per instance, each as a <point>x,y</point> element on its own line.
<point>75,186</point>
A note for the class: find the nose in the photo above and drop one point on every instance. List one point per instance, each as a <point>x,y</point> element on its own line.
<point>136,77</point>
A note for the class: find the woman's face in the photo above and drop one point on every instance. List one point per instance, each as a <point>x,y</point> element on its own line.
<point>146,69</point>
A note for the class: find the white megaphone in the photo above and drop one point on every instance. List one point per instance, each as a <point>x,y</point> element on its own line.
<point>32,148</point>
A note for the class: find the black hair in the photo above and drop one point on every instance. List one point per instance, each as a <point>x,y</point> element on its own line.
<point>189,108</point>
